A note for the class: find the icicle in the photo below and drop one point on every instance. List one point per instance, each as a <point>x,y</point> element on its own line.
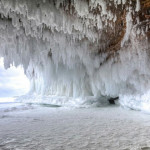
<point>137,5</point>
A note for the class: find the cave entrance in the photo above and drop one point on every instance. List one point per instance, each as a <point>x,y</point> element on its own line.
<point>13,82</point>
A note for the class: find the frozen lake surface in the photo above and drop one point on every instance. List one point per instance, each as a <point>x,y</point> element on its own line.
<point>38,127</point>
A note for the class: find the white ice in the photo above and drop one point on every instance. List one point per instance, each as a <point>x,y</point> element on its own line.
<point>26,127</point>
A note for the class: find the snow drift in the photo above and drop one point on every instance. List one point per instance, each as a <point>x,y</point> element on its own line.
<point>66,50</point>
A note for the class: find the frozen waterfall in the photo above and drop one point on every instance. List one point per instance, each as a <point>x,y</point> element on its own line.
<point>79,51</point>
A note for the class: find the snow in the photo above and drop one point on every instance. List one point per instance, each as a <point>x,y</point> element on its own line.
<point>36,127</point>
<point>58,46</point>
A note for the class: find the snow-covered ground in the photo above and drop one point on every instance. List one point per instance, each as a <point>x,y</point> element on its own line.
<point>40,127</point>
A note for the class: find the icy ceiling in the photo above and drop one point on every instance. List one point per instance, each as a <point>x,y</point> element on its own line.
<point>79,49</point>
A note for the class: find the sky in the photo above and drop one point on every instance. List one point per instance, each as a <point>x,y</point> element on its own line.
<point>13,81</point>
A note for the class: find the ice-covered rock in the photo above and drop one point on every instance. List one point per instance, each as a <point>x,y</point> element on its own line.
<point>77,49</point>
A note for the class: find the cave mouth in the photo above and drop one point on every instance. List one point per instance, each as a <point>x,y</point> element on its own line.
<point>13,82</point>
<point>74,55</point>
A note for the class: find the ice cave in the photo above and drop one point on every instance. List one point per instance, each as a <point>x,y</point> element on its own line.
<point>76,52</point>
<point>79,56</point>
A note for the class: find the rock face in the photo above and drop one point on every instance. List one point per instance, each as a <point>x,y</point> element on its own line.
<point>79,49</point>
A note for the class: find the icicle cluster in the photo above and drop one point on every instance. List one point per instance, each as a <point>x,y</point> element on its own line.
<point>62,46</point>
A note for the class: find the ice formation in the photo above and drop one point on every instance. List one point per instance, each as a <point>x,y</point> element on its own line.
<point>75,51</point>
